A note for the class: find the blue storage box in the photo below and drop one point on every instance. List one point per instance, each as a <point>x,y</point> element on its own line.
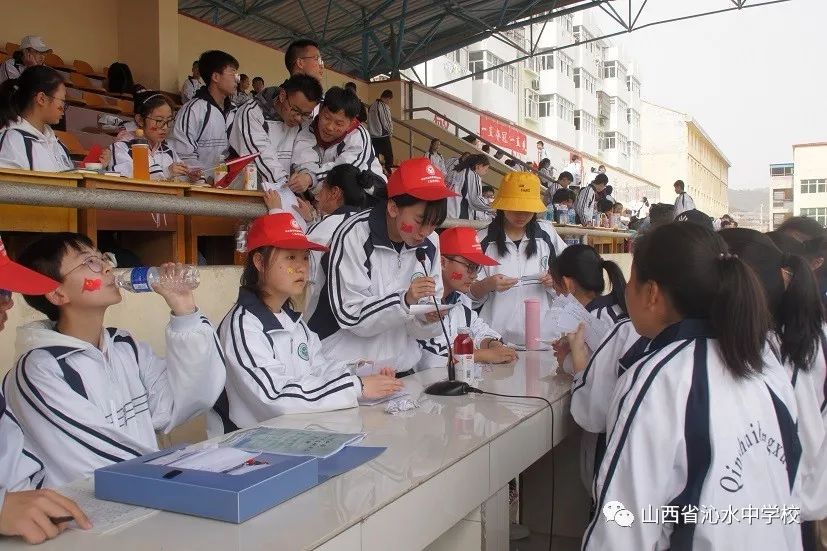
<point>232,498</point>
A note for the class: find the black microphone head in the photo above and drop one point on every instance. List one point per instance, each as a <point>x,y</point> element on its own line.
<point>420,254</point>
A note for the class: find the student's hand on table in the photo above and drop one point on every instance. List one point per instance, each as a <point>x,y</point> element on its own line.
<point>272,199</point>
<point>299,182</point>
<point>27,514</point>
<point>378,386</point>
<point>496,353</point>
<point>578,349</point>
<point>179,298</point>
<point>421,287</point>
<point>388,372</point>
<point>179,169</point>
<point>305,209</point>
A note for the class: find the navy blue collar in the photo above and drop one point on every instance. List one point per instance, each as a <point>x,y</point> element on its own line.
<point>204,94</point>
<point>605,301</point>
<point>345,209</point>
<point>269,322</point>
<point>452,298</point>
<point>689,328</point>
<point>378,225</point>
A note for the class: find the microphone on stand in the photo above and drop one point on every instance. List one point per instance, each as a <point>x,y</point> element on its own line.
<point>451,387</point>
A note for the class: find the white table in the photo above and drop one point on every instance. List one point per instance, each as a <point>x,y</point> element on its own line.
<point>443,480</point>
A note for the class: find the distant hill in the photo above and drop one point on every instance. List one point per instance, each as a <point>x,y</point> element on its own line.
<point>748,200</point>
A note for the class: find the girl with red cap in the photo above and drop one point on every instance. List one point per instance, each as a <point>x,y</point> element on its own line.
<point>274,361</point>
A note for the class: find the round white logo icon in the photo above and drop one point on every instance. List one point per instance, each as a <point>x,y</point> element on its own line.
<point>430,170</point>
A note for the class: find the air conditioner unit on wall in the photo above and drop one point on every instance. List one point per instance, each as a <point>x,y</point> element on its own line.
<point>535,84</point>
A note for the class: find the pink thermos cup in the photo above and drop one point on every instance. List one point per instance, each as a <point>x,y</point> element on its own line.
<point>532,323</point>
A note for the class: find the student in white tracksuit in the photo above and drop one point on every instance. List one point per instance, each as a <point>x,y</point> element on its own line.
<point>274,362</point>
<point>25,508</point>
<point>374,276</point>
<point>192,84</point>
<point>153,115</point>
<point>586,203</point>
<point>794,302</point>
<point>684,201</point>
<point>202,126</point>
<point>333,138</point>
<point>703,420</point>
<point>343,194</point>
<point>29,106</point>
<point>462,257</point>
<point>524,246</point>
<point>269,124</point>
<point>465,179</point>
<point>435,157</point>
<point>88,396</point>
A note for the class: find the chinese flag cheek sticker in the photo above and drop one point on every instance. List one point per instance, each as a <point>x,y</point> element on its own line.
<point>456,276</point>
<point>407,228</point>
<point>91,285</point>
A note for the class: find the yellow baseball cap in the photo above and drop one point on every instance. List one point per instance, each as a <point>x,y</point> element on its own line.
<point>519,191</point>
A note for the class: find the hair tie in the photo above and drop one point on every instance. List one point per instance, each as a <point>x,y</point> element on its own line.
<point>786,260</point>
<point>727,256</point>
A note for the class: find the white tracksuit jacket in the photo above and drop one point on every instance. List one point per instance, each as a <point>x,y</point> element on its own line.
<point>258,128</point>
<point>321,232</point>
<point>20,469</point>
<point>683,203</point>
<point>160,160</point>
<point>10,69</point>
<point>435,350</point>
<point>683,432</point>
<point>24,146</point>
<point>275,366</point>
<point>199,135</point>
<point>438,161</point>
<point>355,149</point>
<point>469,204</point>
<point>585,203</point>
<point>82,407</point>
<point>504,311</point>
<point>190,87</point>
<point>361,312</point>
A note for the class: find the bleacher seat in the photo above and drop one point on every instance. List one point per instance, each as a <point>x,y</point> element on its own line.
<point>83,67</point>
<point>76,150</point>
<point>54,61</point>
<point>82,82</point>
<point>99,103</point>
<point>126,106</point>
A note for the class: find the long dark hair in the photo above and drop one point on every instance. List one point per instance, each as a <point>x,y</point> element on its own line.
<point>251,276</point>
<point>496,233</point>
<point>17,94</point>
<point>704,281</point>
<point>471,161</point>
<point>796,308</point>
<point>584,265</point>
<point>353,182</point>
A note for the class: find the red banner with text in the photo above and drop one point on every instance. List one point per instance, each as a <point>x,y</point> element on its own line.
<point>501,134</point>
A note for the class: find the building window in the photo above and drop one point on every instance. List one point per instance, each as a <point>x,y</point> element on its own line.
<point>565,64</point>
<point>460,57</point>
<point>819,214</point>
<point>476,63</point>
<point>531,104</point>
<point>609,69</point>
<point>565,109</point>
<point>544,62</point>
<point>576,77</point>
<point>544,106</point>
<point>577,120</point>
<point>608,140</point>
<point>814,186</point>
<point>781,171</point>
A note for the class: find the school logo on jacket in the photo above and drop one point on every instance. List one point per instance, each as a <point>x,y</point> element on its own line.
<point>303,352</point>
<point>416,275</point>
<point>544,262</point>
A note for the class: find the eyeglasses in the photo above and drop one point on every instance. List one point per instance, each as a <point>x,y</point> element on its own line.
<point>296,111</point>
<point>318,59</point>
<point>473,269</point>
<point>161,123</point>
<point>95,263</point>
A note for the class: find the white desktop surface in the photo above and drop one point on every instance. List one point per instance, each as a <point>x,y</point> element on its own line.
<point>442,461</point>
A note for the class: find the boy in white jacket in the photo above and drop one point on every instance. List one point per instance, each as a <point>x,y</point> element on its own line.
<point>274,362</point>
<point>461,258</point>
<point>88,396</point>
<point>26,508</point>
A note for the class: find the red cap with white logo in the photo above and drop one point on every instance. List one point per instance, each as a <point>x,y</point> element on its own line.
<point>17,278</point>
<point>464,242</point>
<point>418,178</point>
<point>281,231</point>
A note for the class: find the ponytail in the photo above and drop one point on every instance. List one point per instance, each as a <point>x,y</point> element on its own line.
<point>704,281</point>
<point>739,315</point>
<point>800,314</point>
<point>354,183</point>
<point>17,94</point>
<point>618,282</point>
<point>471,162</point>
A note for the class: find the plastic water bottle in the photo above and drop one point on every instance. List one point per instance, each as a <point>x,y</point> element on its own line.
<point>572,217</point>
<point>464,356</point>
<point>143,279</point>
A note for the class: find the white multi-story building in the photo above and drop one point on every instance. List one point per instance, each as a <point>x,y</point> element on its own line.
<point>800,188</point>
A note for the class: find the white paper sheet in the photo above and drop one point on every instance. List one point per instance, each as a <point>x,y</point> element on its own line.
<point>292,442</point>
<point>106,516</point>
<point>214,460</point>
<point>422,309</point>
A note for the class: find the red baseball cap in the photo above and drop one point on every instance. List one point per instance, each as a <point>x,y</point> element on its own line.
<point>281,231</point>
<point>14,277</point>
<point>418,178</point>
<point>465,243</point>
